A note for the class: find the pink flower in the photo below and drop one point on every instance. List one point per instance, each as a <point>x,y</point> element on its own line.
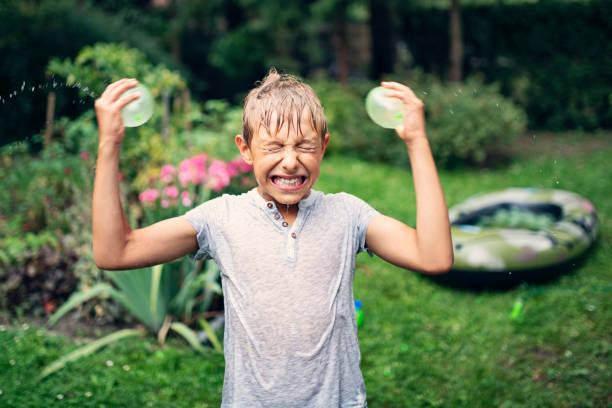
<point>218,175</point>
<point>84,155</point>
<point>165,203</point>
<point>245,181</point>
<point>193,170</point>
<point>243,166</point>
<point>199,161</point>
<point>167,173</point>
<point>186,199</point>
<point>171,191</point>
<point>232,169</point>
<point>148,197</point>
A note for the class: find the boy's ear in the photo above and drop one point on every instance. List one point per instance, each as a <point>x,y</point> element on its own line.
<point>244,149</point>
<point>325,142</point>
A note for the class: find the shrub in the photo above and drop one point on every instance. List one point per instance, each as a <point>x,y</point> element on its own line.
<point>352,132</point>
<point>37,248</point>
<point>470,122</point>
<point>467,123</point>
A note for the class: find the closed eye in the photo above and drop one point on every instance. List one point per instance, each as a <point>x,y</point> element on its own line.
<point>272,148</point>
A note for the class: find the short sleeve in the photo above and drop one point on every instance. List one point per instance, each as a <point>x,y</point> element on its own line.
<point>362,213</point>
<point>205,219</point>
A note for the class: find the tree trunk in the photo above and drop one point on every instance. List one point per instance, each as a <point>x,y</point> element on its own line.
<point>340,49</point>
<point>383,38</point>
<point>456,42</point>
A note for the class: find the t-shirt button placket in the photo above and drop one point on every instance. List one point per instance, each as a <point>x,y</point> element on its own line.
<point>285,224</point>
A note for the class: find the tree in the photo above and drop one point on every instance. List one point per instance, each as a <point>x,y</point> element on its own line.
<point>456,42</point>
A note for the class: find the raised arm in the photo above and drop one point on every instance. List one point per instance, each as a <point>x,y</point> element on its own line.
<point>115,244</point>
<point>428,248</point>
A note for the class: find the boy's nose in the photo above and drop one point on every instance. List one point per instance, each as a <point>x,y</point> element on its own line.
<point>290,160</point>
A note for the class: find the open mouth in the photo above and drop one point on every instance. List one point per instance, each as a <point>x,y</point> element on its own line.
<point>288,183</point>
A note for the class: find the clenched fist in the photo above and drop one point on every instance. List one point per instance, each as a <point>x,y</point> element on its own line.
<point>108,111</point>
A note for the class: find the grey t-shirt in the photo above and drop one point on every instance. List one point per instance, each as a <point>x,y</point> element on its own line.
<point>290,330</point>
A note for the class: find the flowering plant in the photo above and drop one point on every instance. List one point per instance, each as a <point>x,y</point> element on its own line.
<point>195,180</point>
<point>175,295</point>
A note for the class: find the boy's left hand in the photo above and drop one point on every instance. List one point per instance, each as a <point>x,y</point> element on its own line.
<point>413,126</point>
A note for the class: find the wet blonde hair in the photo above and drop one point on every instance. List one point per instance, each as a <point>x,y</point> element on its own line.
<point>288,98</point>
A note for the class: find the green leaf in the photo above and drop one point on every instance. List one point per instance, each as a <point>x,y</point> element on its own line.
<point>188,335</point>
<point>156,278</point>
<point>80,297</point>
<point>211,335</point>
<point>89,349</point>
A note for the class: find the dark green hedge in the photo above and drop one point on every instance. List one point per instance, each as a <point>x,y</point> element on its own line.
<point>552,58</point>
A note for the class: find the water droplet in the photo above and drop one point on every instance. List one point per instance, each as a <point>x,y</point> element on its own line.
<point>23,85</point>
<point>497,104</point>
<point>54,84</point>
<point>33,88</point>
<point>474,90</point>
<point>554,162</point>
<point>451,111</point>
<point>557,182</point>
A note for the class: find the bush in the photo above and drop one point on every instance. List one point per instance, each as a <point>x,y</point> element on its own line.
<point>38,244</point>
<point>352,132</point>
<point>467,123</point>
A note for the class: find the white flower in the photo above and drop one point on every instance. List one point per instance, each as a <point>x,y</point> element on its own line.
<point>109,363</point>
<point>88,394</point>
<point>60,396</point>
<point>126,367</point>
<point>12,362</point>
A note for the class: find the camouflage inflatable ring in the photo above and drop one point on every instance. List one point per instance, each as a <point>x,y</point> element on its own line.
<point>521,229</point>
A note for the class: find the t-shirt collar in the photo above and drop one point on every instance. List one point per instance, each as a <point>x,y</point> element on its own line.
<point>263,203</point>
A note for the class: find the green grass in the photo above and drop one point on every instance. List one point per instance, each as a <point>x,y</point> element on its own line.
<point>422,344</point>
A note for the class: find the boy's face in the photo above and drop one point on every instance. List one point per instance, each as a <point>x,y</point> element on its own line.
<point>286,163</point>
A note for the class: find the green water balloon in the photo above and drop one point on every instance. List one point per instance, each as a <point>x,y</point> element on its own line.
<point>384,110</point>
<point>140,110</point>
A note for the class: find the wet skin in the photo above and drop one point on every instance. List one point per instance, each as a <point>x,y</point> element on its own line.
<point>286,163</point>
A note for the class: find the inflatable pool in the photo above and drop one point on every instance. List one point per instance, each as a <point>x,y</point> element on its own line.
<point>515,234</point>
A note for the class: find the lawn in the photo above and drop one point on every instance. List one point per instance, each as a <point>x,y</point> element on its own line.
<point>422,344</point>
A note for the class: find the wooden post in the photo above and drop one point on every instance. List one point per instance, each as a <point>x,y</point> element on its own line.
<point>166,115</point>
<point>49,118</point>
<point>187,112</point>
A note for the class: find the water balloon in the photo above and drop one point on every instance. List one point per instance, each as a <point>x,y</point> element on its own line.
<point>140,110</point>
<point>384,110</point>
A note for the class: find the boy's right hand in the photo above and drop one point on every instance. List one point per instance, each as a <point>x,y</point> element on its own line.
<point>108,111</point>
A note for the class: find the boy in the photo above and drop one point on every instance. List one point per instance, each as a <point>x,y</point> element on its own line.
<point>286,252</point>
